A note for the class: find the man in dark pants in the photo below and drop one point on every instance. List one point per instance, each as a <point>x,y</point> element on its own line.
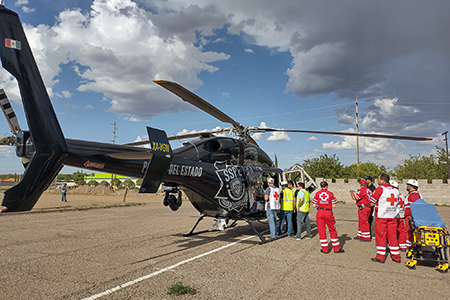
<point>371,187</point>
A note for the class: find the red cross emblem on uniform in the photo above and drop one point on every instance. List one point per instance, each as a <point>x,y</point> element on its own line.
<point>400,202</point>
<point>276,196</point>
<point>392,199</point>
<point>324,196</point>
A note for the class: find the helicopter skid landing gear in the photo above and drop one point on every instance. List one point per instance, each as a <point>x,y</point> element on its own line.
<point>263,240</point>
<point>220,224</point>
<point>195,226</point>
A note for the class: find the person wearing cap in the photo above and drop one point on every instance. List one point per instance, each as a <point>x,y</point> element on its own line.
<point>412,187</point>
<point>324,200</point>
<point>272,198</point>
<point>371,220</point>
<point>363,204</point>
<point>385,198</point>
<point>287,207</point>
<point>401,229</point>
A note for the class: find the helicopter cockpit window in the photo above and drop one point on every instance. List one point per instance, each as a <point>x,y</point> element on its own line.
<point>212,146</point>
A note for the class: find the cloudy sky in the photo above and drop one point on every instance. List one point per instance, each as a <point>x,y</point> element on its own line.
<point>292,64</point>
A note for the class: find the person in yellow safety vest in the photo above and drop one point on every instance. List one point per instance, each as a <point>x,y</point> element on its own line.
<point>287,207</point>
<point>293,187</point>
<point>302,207</point>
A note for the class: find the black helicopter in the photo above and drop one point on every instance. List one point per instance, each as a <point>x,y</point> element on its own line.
<point>218,174</point>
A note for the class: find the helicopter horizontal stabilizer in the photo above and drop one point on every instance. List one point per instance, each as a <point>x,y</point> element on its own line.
<point>159,163</point>
<point>9,112</point>
<point>49,142</point>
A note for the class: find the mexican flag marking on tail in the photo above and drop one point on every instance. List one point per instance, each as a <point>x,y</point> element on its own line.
<point>13,44</point>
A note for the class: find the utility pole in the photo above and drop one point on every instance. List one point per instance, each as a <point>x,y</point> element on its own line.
<point>114,141</point>
<point>357,138</point>
<point>446,150</point>
<point>114,132</point>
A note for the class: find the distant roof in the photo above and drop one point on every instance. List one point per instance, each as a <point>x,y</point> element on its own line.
<point>106,176</point>
<point>9,180</point>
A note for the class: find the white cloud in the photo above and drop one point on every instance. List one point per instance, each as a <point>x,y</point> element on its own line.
<point>66,94</point>
<point>21,2</point>
<point>248,50</point>
<point>27,10</point>
<point>257,136</point>
<point>273,137</point>
<point>7,151</point>
<point>312,138</point>
<point>117,44</point>
<point>133,119</point>
<point>278,137</point>
<point>90,106</point>
<point>185,131</point>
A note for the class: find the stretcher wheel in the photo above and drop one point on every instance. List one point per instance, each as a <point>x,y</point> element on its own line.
<point>411,264</point>
<point>409,254</point>
<point>442,268</point>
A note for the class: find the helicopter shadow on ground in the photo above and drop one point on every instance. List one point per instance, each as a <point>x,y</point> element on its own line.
<point>230,235</point>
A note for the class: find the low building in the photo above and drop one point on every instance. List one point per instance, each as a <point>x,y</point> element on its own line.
<point>99,177</point>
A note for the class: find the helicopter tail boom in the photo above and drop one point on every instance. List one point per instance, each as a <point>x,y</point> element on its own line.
<point>50,145</point>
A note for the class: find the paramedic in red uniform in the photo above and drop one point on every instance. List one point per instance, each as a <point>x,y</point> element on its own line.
<point>386,199</point>
<point>364,209</point>
<point>325,202</point>
<point>401,229</point>
<point>412,187</point>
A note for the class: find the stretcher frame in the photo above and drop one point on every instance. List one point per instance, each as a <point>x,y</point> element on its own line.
<point>430,246</point>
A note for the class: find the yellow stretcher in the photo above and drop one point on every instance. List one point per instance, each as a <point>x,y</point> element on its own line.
<point>431,240</point>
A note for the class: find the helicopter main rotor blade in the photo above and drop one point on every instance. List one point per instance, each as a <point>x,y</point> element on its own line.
<point>382,136</point>
<point>182,136</point>
<point>198,102</point>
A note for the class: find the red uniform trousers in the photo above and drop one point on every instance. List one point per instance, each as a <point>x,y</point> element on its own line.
<point>409,233</point>
<point>363,223</point>
<point>326,217</point>
<point>401,234</point>
<point>386,232</point>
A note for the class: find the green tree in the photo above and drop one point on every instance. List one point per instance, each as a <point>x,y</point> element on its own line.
<point>365,169</point>
<point>64,177</point>
<point>117,182</point>
<point>139,182</point>
<point>104,183</point>
<point>78,178</point>
<point>128,183</point>
<point>420,167</point>
<point>92,183</point>
<point>325,166</point>
<point>442,163</point>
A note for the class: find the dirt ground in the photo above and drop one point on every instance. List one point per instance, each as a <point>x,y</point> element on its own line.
<point>67,251</point>
<point>52,200</point>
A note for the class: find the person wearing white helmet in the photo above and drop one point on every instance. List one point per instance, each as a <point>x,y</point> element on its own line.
<point>412,187</point>
<point>401,228</point>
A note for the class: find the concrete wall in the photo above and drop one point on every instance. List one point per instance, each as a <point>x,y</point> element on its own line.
<point>436,192</point>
